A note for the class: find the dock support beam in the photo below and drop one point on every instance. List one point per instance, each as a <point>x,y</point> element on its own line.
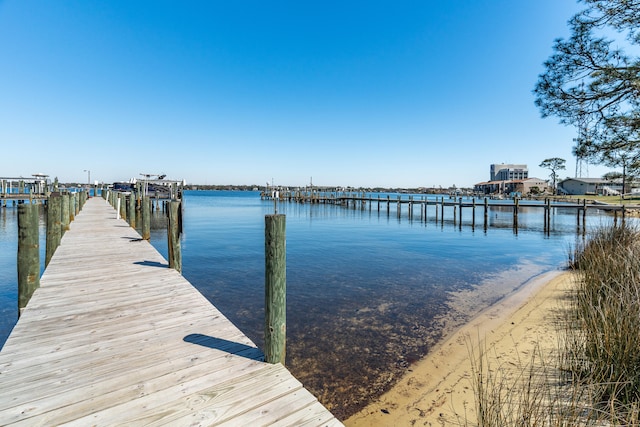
<point>132,209</point>
<point>122,199</point>
<point>28,253</point>
<point>146,218</point>
<point>54,227</point>
<point>64,214</point>
<point>173,236</point>
<point>275,328</point>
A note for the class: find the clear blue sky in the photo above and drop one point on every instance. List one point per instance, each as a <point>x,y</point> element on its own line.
<point>360,93</point>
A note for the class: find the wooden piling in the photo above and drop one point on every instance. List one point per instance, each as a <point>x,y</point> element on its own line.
<point>72,207</point>
<point>275,289</point>
<point>123,205</point>
<point>173,236</point>
<point>64,214</point>
<point>486,213</point>
<point>28,253</point>
<point>146,217</point>
<point>548,215</point>
<point>132,209</point>
<point>473,212</point>
<point>53,226</point>
<point>455,209</point>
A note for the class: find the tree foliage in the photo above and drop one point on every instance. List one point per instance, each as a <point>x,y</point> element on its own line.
<point>554,164</point>
<point>592,79</point>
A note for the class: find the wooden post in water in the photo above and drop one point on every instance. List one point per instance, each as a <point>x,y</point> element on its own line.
<point>275,327</point>
<point>473,212</point>
<point>455,209</point>
<point>53,226</point>
<point>173,236</point>
<point>123,205</point>
<point>132,209</point>
<point>64,214</point>
<point>146,218</point>
<point>547,212</point>
<point>486,213</point>
<point>442,211</point>
<point>72,207</point>
<point>516,206</point>
<point>426,210</point>
<point>460,207</point>
<point>28,253</point>
<point>578,219</point>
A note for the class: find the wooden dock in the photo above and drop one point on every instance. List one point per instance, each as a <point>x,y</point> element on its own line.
<point>114,337</point>
<point>454,205</point>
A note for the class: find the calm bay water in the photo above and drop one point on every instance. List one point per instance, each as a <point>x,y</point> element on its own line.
<point>368,294</point>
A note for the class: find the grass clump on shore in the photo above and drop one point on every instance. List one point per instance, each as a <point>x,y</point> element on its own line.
<point>602,345</point>
<point>593,378</point>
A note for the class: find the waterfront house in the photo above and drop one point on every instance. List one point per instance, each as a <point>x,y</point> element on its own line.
<point>589,186</point>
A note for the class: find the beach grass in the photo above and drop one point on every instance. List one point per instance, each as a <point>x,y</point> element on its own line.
<point>593,377</point>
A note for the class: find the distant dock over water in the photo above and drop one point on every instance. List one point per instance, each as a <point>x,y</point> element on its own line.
<point>114,337</point>
<point>34,188</point>
<point>407,205</point>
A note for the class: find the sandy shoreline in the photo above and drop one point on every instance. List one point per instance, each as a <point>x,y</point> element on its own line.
<point>437,390</point>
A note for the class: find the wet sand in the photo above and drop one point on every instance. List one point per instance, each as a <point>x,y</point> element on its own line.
<point>437,390</point>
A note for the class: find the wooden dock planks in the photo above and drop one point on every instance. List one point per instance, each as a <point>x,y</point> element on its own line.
<point>115,337</point>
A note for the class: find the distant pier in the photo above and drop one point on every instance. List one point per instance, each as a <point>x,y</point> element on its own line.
<point>407,205</point>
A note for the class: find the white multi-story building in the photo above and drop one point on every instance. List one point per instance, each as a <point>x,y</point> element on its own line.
<point>505,172</point>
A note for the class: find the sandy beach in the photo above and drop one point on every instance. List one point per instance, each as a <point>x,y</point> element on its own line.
<point>438,389</point>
